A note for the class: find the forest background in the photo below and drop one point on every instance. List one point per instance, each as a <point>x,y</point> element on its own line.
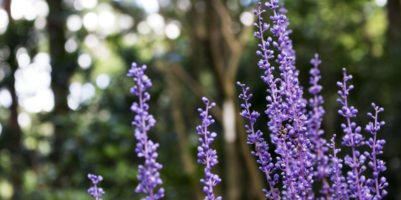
<point>64,96</point>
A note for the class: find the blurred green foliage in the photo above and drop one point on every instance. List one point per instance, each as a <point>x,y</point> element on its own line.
<point>97,137</point>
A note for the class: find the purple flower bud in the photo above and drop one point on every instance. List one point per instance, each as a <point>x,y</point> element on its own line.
<point>95,191</point>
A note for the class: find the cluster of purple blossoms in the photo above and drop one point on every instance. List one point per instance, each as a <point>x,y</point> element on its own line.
<point>95,191</point>
<point>352,138</point>
<point>261,147</point>
<point>314,127</point>
<point>302,158</point>
<point>149,176</point>
<point>359,186</point>
<point>377,183</point>
<point>338,189</point>
<point>206,155</point>
<point>286,108</point>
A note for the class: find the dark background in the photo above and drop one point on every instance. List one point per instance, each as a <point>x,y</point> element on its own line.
<point>64,96</point>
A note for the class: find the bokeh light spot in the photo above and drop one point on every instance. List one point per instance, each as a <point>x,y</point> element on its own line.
<point>74,22</point>
<point>71,45</point>
<point>172,31</point>
<point>246,18</point>
<point>3,21</point>
<point>102,81</point>
<point>90,21</point>
<point>24,120</point>
<point>88,4</point>
<point>6,189</point>
<point>5,98</point>
<point>381,3</point>
<point>84,61</point>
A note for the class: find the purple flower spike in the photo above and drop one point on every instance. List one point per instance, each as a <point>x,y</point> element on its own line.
<point>315,77</point>
<point>339,188</point>
<point>206,155</point>
<point>149,176</point>
<point>353,139</point>
<point>95,191</point>
<point>261,147</point>
<point>285,105</point>
<point>293,105</point>
<point>314,126</point>
<point>377,183</point>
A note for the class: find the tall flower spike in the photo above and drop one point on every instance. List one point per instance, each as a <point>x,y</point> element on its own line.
<point>206,155</point>
<point>149,176</point>
<point>377,183</point>
<point>275,106</point>
<point>293,105</point>
<point>95,191</point>
<point>352,139</point>
<point>261,147</point>
<point>339,188</point>
<point>314,126</point>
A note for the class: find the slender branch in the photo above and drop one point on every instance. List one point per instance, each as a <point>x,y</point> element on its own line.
<point>235,58</point>
<point>194,86</point>
<point>226,25</point>
<point>179,124</point>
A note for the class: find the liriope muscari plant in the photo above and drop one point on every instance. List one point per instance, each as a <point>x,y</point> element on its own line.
<point>302,159</point>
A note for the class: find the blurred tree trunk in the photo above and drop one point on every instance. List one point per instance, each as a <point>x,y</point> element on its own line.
<point>179,124</point>
<point>12,138</point>
<point>393,71</point>
<point>232,177</point>
<point>391,81</point>
<point>7,7</point>
<point>225,52</point>
<point>394,27</point>
<point>63,67</point>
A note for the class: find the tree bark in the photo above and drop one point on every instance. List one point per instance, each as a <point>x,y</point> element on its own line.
<point>179,124</point>
<point>12,137</point>
<point>394,27</point>
<point>225,51</point>
<point>231,164</point>
<point>63,67</point>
